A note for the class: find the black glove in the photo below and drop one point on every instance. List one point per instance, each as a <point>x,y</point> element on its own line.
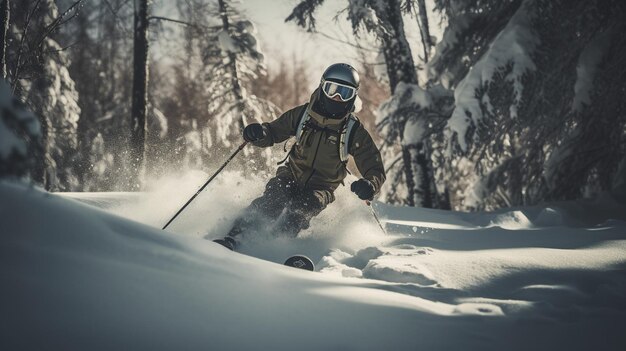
<point>363,188</point>
<point>253,132</point>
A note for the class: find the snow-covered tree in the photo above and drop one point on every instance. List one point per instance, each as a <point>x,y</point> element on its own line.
<point>99,45</point>
<point>539,107</point>
<point>40,77</point>
<point>182,95</point>
<point>20,136</point>
<point>422,115</point>
<point>232,59</point>
<point>5,17</point>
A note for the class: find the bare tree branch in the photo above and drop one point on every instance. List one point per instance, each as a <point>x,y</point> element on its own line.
<point>188,24</point>
<point>20,51</point>
<point>160,18</point>
<point>358,46</point>
<point>114,12</point>
<point>59,21</point>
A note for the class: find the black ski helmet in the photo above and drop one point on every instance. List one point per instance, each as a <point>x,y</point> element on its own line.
<point>340,73</point>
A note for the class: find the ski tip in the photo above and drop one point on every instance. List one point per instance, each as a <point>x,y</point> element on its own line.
<point>301,262</point>
<point>226,242</point>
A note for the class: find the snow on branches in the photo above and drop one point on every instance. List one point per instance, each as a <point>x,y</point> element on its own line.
<point>512,51</point>
<point>538,99</point>
<point>403,109</point>
<point>20,135</point>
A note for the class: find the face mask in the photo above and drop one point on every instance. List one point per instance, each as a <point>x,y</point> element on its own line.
<point>332,109</point>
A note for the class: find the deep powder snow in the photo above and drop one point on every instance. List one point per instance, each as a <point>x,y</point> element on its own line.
<point>78,275</point>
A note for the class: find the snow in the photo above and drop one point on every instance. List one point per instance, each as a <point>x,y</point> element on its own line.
<point>588,63</point>
<point>514,45</point>
<point>160,121</point>
<point>227,44</point>
<point>456,25</point>
<point>94,271</point>
<point>414,131</point>
<point>409,97</point>
<point>361,11</point>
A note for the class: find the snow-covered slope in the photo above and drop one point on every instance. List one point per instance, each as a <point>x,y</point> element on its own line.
<point>76,277</point>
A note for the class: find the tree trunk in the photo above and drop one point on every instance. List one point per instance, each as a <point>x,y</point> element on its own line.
<point>140,92</point>
<point>424,28</point>
<point>396,49</point>
<point>115,141</point>
<point>44,162</point>
<point>409,177</point>
<point>418,176</point>
<point>5,12</point>
<point>401,68</point>
<point>85,126</point>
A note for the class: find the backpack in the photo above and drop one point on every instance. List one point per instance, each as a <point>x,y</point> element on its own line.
<point>345,133</point>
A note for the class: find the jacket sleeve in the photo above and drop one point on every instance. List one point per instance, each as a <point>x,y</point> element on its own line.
<point>367,158</point>
<point>281,128</point>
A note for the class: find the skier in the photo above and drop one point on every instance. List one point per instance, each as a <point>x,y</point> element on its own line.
<point>326,132</point>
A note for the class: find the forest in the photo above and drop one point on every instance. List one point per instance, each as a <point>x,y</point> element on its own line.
<point>474,105</point>
<point>313,175</point>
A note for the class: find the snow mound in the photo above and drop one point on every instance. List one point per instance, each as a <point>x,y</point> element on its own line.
<point>512,221</point>
<point>76,277</point>
<point>395,270</point>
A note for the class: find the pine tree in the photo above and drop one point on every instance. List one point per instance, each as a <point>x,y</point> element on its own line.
<point>232,60</point>
<point>39,76</point>
<point>539,108</point>
<point>21,136</point>
<point>99,45</point>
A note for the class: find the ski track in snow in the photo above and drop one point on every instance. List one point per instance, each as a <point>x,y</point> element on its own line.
<point>532,265</point>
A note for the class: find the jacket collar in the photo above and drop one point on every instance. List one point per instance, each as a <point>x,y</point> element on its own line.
<point>321,120</point>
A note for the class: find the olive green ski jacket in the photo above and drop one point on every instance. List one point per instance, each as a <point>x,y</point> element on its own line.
<point>315,162</point>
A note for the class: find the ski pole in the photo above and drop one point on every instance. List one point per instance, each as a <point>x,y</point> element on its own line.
<point>369,203</point>
<point>207,182</point>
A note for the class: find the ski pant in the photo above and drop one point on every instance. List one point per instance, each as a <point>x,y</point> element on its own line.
<point>289,207</point>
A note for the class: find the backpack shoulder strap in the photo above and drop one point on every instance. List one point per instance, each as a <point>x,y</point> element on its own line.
<point>304,118</point>
<point>351,125</point>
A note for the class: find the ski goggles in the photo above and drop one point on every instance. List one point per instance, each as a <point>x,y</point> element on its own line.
<point>333,89</point>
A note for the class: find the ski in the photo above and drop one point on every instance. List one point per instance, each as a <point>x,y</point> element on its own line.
<point>227,242</point>
<point>296,261</point>
<point>301,262</point>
